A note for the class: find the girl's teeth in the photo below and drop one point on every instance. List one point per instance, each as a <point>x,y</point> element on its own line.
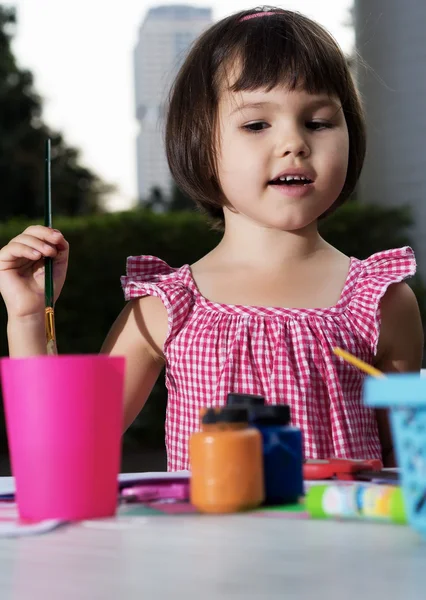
<point>292,177</point>
<point>289,178</point>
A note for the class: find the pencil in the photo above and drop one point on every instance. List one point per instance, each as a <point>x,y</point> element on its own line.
<point>356,362</point>
<point>48,263</point>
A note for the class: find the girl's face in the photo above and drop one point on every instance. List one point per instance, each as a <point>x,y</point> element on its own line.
<point>265,136</point>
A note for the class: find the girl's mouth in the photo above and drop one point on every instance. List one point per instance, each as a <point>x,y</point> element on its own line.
<point>291,180</point>
<point>292,186</point>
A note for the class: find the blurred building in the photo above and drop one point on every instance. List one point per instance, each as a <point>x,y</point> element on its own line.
<point>390,37</point>
<point>164,39</point>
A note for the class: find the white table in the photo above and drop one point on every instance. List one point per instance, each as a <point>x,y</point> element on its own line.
<point>229,557</point>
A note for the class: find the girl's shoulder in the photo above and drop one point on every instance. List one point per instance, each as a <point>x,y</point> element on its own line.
<point>146,270</point>
<point>148,275</point>
<point>368,283</point>
<point>396,262</point>
<point>371,277</point>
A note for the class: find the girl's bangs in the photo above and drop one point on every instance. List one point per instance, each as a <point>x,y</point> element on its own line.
<point>279,58</point>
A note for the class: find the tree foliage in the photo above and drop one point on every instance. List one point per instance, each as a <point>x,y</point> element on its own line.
<point>76,190</point>
<point>92,297</point>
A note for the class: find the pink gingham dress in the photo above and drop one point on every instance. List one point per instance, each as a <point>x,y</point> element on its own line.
<point>284,354</point>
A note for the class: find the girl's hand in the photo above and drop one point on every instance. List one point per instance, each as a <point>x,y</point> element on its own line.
<point>22,269</point>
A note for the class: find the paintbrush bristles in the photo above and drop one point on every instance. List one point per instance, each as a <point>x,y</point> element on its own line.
<point>50,331</point>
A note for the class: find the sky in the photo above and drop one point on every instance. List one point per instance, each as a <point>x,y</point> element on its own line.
<point>81,55</point>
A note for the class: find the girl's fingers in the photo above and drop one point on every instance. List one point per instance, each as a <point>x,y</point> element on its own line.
<point>52,236</point>
<point>15,250</point>
<point>36,243</point>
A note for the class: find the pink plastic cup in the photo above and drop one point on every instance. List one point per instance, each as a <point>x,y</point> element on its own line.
<point>64,418</point>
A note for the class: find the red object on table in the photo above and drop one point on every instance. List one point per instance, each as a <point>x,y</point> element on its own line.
<point>338,468</point>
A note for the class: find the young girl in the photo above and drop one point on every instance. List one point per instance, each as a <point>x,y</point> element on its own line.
<point>265,131</point>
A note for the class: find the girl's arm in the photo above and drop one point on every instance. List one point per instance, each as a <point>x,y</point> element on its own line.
<point>400,348</point>
<point>139,334</point>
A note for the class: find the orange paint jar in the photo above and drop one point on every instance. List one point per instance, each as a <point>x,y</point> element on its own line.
<point>226,463</point>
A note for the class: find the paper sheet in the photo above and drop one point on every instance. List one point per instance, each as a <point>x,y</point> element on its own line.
<point>11,526</point>
<point>7,484</point>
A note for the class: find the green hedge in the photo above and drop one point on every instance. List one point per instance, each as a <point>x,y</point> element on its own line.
<point>92,295</point>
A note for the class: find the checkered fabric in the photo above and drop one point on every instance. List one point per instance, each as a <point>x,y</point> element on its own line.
<point>284,354</point>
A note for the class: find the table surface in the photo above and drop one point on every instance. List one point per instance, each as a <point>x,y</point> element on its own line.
<point>215,557</point>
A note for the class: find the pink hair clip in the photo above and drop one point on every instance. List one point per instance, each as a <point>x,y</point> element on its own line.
<point>262,13</point>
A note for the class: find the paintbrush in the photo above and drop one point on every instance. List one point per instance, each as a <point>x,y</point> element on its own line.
<point>48,262</point>
<point>357,362</point>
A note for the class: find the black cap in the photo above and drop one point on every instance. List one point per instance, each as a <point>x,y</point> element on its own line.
<point>232,414</point>
<point>210,417</point>
<point>271,415</point>
<point>248,400</point>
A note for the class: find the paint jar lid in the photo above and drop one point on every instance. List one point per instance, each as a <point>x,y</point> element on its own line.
<point>210,417</point>
<point>232,414</point>
<point>249,400</point>
<point>225,414</point>
<point>278,414</point>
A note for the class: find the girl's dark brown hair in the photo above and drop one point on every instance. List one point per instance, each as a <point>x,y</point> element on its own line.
<point>283,47</point>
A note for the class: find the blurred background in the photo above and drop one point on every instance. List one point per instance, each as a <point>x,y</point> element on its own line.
<point>94,77</point>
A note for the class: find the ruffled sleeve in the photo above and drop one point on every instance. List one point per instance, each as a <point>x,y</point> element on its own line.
<point>375,275</point>
<point>151,276</point>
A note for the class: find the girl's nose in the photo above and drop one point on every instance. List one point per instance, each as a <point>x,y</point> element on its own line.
<point>293,143</point>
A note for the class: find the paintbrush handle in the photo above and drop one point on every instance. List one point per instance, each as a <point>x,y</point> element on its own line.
<point>357,362</point>
<point>48,281</point>
<point>48,263</point>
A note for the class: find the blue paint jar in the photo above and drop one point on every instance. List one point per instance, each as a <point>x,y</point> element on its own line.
<point>282,447</point>
<point>282,454</point>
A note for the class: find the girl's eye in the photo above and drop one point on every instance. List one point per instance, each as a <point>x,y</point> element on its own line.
<point>256,126</point>
<point>318,125</point>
